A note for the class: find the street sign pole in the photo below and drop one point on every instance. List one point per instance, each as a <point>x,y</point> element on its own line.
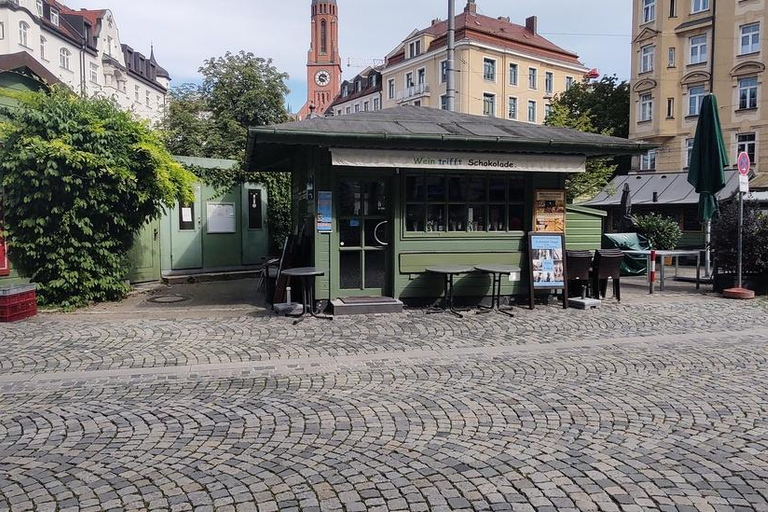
<point>744,164</point>
<point>741,241</point>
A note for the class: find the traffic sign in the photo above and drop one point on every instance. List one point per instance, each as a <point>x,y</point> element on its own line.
<point>743,184</point>
<point>744,163</point>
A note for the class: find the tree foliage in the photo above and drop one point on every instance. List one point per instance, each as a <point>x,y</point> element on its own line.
<point>662,232</point>
<point>597,107</point>
<point>80,177</point>
<point>212,121</point>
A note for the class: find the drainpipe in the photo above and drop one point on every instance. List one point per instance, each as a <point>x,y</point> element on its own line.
<point>449,72</point>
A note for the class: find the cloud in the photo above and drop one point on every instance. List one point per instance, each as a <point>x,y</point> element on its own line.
<point>186,32</point>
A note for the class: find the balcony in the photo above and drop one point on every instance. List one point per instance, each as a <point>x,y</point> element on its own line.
<point>414,92</point>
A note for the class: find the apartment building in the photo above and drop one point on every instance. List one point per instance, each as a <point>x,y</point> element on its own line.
<point>360,94</point>
<point>502,69</point>
<point>682,51</point>
<point>82,49</point>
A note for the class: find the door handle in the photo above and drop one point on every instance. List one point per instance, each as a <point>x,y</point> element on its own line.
<point>376,233</point>
<point>154,235</point>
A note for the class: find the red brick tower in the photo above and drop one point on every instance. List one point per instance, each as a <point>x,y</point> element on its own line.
<point>323,61</point>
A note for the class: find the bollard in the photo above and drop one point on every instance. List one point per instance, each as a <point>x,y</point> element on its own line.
<point>652,271</point>
<point>288,295</point>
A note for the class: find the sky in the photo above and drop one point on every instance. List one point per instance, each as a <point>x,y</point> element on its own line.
<point>186,32</point>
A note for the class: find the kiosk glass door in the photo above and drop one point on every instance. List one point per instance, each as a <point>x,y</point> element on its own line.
<point>364,236</point>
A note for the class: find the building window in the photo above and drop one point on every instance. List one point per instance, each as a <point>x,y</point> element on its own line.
<point>513,74</point>
<point>357,107</point>
<point>421,76</point>
<point>414,49</point>
<point>443,71</point>
<point>348,110</point>
<point>489,69</point>
<point>547,111</point>
<point>358,86</point>
<point>43,48</point>
<point>2,30</point>
<point>748,93</point>
<point>698,52</point>
<point>533,79</point>
<point>65,58</point>
<point>746,143</point>
<point>568,83</point>
<point>670,108</point>
<point>39,5</point>
<point>531,111</point>
<point>489,104</point>
<point>391,89</point>
<point>646,107</point>
<point>444,102</point>
<point>374,80</point>
<point>376,104</point>
<point>673,9</point>
<point>417,103</point>
<point>24,34</point>
<point>366,106</point>
<point>323,37</point>
<point>147,99</point>
<point>695,99</point>
<point>512,111</point>
<point>671,57</point>
<point>688,151</point>
<point>750,38</point>
<point>549,82</point>
<point>648,161</point>
<point>55,17</point>
<point>649,11</point>
<point>460,203</point>
<point>646,58</point>
<point>408,80</point>
<point>137,93</point>
<point>94,73</point>
<point>699,6</point>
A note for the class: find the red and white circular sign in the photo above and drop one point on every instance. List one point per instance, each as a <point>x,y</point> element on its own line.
<point>743,163</point>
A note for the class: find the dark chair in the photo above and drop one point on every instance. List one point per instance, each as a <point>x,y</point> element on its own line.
<point>607,264</point>
<point>578,264</point>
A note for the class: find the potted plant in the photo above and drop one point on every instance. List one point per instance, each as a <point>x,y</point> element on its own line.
<point>755,248</point>
<point>662,232</point>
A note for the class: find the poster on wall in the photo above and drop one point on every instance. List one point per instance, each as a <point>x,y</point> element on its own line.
<point>221,218</point>
<point>324,211</point>
<point>546,253</point>
<point>549,211</point>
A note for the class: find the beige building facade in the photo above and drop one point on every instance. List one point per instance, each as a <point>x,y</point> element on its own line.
<point>682,51</point>
<point>502,69</point>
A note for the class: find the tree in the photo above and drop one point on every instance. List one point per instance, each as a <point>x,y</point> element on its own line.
<point>80,178</point>
<point>212,120</point>
<point>601,107</point>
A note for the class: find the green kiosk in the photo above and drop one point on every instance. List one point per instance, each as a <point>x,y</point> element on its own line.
<point>378,197</point>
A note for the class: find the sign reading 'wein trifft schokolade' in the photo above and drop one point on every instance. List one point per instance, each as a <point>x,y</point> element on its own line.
<point>457,161</point>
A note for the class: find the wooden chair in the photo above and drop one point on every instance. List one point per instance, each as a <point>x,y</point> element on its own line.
<point>607,264</point>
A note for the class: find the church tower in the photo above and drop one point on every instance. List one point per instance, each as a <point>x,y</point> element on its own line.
<point>323,61</point>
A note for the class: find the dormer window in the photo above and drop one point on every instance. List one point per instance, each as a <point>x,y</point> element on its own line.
<point>373,81</point>
<point>414,49</point>
<point>55,17</point>
<point>39,5</point>
<point>358,86</point>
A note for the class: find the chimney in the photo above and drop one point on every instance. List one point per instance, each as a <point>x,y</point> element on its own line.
<point>532,25</point>
<point>471,7</point>
<point>504,18</point>
<point>435,21</point>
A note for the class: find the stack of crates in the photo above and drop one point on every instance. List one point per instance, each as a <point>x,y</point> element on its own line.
<point>18,302</point>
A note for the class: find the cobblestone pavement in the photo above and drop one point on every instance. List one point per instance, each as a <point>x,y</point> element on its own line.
<point>650,405</point>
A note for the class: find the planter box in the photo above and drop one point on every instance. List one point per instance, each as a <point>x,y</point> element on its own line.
<point>18,302</point>
<point>756,283</point>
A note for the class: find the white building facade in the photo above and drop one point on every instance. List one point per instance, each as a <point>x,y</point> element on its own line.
<point>83,50</point>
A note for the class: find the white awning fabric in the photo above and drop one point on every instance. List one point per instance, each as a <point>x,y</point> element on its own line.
<point>458,161</point>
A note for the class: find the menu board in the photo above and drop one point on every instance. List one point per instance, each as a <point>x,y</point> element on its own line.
<point>549,211</point>
<point>546,263</point>
<point>221,218</point>
<point>324,211</point>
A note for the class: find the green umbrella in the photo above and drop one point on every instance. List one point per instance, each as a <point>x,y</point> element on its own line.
<point>708,159</point>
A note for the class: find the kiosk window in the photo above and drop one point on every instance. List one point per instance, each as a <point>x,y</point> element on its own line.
<point>470,203</point>
<point>254,209</point>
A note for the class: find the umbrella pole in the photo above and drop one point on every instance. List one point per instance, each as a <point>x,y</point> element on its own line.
<point>708,251</point>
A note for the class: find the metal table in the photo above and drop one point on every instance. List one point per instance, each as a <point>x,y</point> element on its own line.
<point>673,254</point>
<point>448,272</point>
<point>497,272</point>
<point>307,276</point>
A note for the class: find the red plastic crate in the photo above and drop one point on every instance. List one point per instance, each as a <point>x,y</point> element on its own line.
<point>17,303</point>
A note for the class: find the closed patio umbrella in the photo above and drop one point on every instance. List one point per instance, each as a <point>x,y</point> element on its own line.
<point>709,158</point>
<point>626,209</point>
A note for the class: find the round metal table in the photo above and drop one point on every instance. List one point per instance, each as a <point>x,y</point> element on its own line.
<point>448,272</point>
<point>307,275</point>
<point>496,272</point>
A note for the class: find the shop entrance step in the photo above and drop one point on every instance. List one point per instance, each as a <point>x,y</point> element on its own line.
<point>366,305</point>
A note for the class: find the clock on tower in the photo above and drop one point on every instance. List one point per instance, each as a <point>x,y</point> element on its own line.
<point>323,60</point>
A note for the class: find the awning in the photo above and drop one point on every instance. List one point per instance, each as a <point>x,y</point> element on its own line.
<point>442,160</point>
<point>658,189</point>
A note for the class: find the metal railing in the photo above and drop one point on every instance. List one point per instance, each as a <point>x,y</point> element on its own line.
<point>413,91</point>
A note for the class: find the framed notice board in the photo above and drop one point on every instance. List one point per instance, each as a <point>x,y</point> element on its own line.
<point>549,211</point>
<point>546,264</point>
